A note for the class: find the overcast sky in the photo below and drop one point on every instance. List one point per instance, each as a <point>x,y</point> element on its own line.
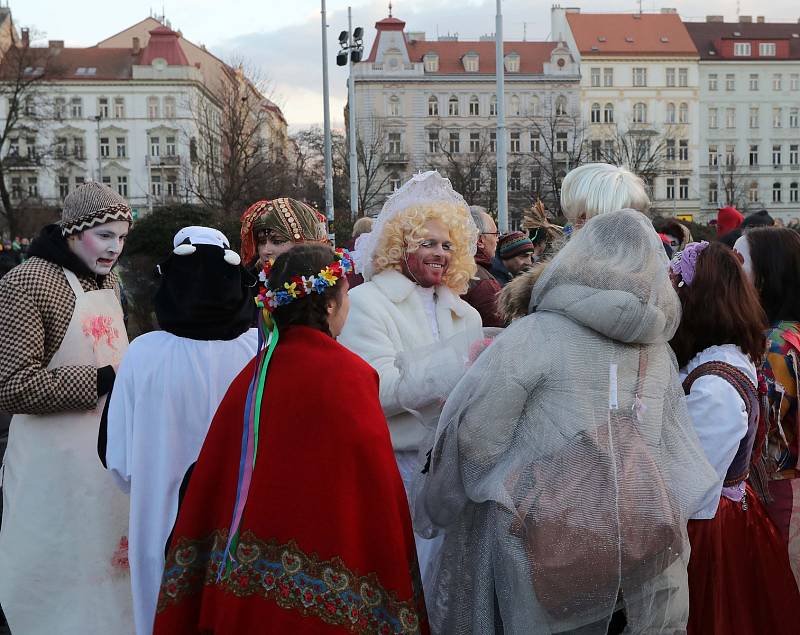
<point>282,38</point>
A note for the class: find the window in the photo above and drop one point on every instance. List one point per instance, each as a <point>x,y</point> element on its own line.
<point>640,77</point>
<point>152,109</point>
<point>754,117</point>
<point>29,107</point>
<point>33,186</point>
<point>492,142</point>
<point>60,108</point>
<point>670,149</point>
<point>394,182</point>
<point>683,77</point>
<point>776,192</point>
<point>753,81</point>
<point>683,189</point>
<point>561,142</point>
<point>433,106</point>
<point>670,188</point>
<point>730,81</point>
<point>534,108</point>
<point>105,150</point>
<point>639,113</point>
<point>753,154</point>
<point>169,107</point>
<point>433,141</point>
<point>597,151</point>
<point>122,150</point>
<point>515,142</point>
<point>431,63</point>
<point>102,107</point>
<point>79,180</point>
<point>61,147</point>
<point>730,117</point>
<point>670,113</point>
<point>713,157</point>
<point>712,81</point>
<point>474,106</point>
<point>741,49</point>
<point>595,113</point>
<point>777,152</point>
<point>30,147</point>
<point>561,105</point>
<point>493,106</point>
<point>777,81</point>
<point>536,181</point>
<point>671,77</point>
<point>777,117</point>
<point>514,181</point>
<point>76,108</point>
<point>119,107</point>
<point>16,187</point>
<point>107,180</point>
<point>77,148</point>
<point>155,185</point>
<point>713,192</point>
<point>793,193</point>
<point>475,184</point>
<point>794,155</point>
<point>63,186</point>
<point>794,81</point>
<point>514,107</point>
<point>752,192</point>
<point>608,148</point>
<point>730,155</point>
<point>452,106</point>
<point>683,150</point>
<point>122,185</point>
<point>172,186</point>
<point>595,75</point>
<point>608,77</point>
<point>170,146</point>
<point>474,142</point>
<point>454,142</point>
<point>793,117</point>
<point>155,147</point>
<point>393,146</point>
<point>535,142</point>
<point>766,49</point>
<point>392,109</point>
<point>608,113</point>
<point>683,113</point>
<point>712,117</point>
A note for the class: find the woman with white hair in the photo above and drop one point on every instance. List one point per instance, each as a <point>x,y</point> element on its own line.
<point>565,465</point>
<point>597,188</point>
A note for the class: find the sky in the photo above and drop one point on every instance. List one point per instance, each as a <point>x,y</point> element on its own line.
<point>281,39</point>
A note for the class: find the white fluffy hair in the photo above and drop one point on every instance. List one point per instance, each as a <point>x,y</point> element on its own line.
<point>597,188</point>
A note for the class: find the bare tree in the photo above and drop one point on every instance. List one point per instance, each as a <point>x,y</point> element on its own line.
<point>307,173</point>
<point>469,164</point>
<point>374,158</point>
<point>734,184</point>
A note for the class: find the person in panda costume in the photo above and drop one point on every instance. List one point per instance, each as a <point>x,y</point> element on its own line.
<point>167,391</point>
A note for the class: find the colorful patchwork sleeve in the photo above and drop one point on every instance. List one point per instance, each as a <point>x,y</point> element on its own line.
<point>780,370</point>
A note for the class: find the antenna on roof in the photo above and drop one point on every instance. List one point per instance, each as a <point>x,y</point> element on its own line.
<point>738,9</point>
<point>640,7</point>
<point>524,31</point>
<point>390,8</point>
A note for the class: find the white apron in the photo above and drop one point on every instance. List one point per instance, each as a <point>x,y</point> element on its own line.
<point>63,542</point>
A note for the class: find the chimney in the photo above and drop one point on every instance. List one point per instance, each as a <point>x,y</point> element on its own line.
<point>26,37</point>
<point>668,11</point>
<point>745,19</point>
<point>715,18</point>
<point>760,19</point>
<point>56,45</point>
<point>137,47</point>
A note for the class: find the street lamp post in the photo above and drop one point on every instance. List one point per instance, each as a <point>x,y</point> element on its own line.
<point>502,156</point>
<point>98,119</point>
<point>326,117</point>
<point>350,53</point>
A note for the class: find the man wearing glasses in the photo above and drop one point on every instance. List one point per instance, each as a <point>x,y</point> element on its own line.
<point>484,287</point>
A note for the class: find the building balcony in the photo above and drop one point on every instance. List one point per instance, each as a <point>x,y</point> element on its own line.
<point>167,161</point>
<point>395,158</point>
<point>18,162</point>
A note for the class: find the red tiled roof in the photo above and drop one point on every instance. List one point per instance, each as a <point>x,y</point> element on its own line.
<point>164,44</point>
<point>707,35</point>
<point>532,55</point>
<point>79,64</point>
<point>630,34</point>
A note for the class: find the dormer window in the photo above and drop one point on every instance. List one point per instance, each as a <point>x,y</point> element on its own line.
<point>512,63</point>
<point>741,49</point>
<point>471,62</point>
<point>767,49</point>
<point>431,61</point>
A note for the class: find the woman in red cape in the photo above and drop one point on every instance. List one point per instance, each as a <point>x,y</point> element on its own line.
<point>324,543</point>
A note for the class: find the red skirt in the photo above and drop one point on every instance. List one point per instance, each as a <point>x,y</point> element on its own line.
<point>740,580</point>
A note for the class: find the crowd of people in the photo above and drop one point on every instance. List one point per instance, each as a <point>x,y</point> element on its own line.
<point>587,429</point>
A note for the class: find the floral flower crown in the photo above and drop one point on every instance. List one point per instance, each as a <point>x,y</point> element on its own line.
<point>301,286</point>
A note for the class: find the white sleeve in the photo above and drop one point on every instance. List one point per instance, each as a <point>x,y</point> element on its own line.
<point>121,415</point>
<point>720,419</point>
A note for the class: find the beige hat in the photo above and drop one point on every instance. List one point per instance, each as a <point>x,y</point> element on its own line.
<point>92,204</point>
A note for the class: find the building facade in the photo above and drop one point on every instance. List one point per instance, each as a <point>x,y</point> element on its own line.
<point>750,114</point>
<point>433,104</point>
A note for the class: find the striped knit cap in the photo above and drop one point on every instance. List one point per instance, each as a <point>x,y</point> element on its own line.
<point>514,244</point>
<point>92,204</point>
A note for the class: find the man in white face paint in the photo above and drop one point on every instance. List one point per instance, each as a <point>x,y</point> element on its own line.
<point>63,542</point>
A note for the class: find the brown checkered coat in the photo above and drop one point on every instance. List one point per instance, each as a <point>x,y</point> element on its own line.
<point>36,305</point>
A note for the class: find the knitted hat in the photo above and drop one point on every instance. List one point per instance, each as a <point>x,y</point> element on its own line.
<point>728,219</point>
<point>92,204</point>
<point>513,244</point>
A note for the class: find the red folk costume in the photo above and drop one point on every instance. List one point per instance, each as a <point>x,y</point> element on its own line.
<point>325,543</point>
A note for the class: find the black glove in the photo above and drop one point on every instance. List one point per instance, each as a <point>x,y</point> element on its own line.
<point>105,380</point>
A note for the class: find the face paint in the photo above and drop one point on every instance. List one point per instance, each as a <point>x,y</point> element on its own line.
<point>99,247</point>
<point>742,249</point>
<point>428,264</point>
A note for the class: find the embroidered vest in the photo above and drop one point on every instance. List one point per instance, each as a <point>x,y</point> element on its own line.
<point>739,469</point>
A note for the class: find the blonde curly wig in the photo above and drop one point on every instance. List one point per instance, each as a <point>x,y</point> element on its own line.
<point>404,233</point>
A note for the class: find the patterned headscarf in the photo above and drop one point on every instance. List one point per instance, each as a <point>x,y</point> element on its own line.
<point>684,262</point>
<point>286,218</point>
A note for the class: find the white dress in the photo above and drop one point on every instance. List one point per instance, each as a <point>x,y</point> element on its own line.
<point>165,396</point>
<point>63,544</point>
